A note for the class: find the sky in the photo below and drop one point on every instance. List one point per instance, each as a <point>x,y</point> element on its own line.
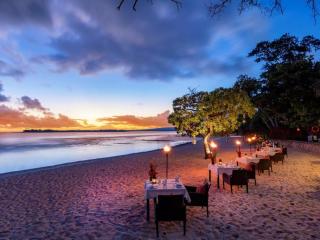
<point>83,64</point>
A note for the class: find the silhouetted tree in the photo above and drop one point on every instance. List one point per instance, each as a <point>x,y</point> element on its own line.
<point>285,94</point>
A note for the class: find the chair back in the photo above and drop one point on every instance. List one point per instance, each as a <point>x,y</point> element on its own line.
<point>239,176</point>
<point>170,208</point>
<point>284,151</point>
<point>264,164</point>
<point>277,157</point>
<point>251,170</point>
<point>170,201</point>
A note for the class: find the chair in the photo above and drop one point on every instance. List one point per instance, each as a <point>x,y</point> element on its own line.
<point>170,208</point>
<point>251,171</point>
<point>199,198</point>
<point>285,151</point>
<point>238,177</point>
<point>264,164</point>
<point>278,157</point>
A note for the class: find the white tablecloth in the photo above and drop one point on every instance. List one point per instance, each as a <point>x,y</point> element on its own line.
<point>268,151</point>
<point>248,159</point>
<point>154,190</point>
<point>223,168</point>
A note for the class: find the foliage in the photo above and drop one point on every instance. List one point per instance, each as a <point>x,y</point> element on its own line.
<point>285,94</point>
<point>205,114</point>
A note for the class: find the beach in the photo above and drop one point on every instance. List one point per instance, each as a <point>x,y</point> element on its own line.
<point>104,199</point>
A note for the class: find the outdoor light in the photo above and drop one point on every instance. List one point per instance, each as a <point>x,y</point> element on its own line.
<point>166,150</point>
<point>213,147</point>
<point>250,140</point>
<point>213,144</point>
<point>238,143</point>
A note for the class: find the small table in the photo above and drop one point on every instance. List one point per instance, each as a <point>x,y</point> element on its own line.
<point>219,169</point>
<point>172,187</point>
<point>268,152</point>
<point>247,159</point>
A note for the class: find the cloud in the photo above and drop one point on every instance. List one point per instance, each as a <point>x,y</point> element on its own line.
<point>17,120</point>
<point>155,43</point>
<point>3,98</point>
<point>7,70</point>
<point>17,12</point>
<point>30,103</point>
<point>135,122</point>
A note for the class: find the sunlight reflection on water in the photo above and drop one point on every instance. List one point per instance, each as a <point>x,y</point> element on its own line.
<point>21,151</point>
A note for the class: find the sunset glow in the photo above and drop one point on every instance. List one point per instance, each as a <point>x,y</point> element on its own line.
<point>82,67</point>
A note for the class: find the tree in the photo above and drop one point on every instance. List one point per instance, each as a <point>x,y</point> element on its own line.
<point>285,93</point>
<point>250,85</point>
<point>210,114</point>
<point>215,8</point>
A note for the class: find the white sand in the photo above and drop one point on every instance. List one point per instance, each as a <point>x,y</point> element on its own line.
<point>104,199</point>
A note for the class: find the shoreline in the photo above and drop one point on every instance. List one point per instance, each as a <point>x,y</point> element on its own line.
<point>86,161</point>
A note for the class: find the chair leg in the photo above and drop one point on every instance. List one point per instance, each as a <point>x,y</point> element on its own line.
<point>269,172</point>
<point>255,181</point>
<point>223,183</point>
<point>247,188</point>
<point>184,227</point>
<point>157,228</point>
<point>231,188</point>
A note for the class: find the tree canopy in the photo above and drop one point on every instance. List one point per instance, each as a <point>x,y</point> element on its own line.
<point>205,114</point>
<point>285,94</point>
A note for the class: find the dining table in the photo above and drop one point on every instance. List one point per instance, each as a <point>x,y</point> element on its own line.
<point>268,151</point>
<point>247,159</point>
<point>163,187</point>
<point>220,168</point>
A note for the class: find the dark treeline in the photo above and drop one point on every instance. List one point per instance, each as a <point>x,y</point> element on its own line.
<point>287,92</point>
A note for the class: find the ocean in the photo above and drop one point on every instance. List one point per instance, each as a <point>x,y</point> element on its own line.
<point>22,151</point>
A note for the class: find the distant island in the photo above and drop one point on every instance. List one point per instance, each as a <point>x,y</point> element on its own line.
<point>99,130</point>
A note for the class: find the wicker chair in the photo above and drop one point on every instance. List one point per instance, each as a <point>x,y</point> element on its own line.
<point>199,198</point>
<point>264,164</point>
<point>278,157</point>
<point>170,208</point>
<point>238,177</point>
<point>251,171</point>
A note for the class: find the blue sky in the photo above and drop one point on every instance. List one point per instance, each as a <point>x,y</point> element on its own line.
<point>89,61</point>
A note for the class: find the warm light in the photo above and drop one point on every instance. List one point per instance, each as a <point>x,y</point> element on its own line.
<point>253,138</point>
<point>213,145</point>
<point>238,143</point>
<point>249,140</point>
<point>167,148</point>
<point>298,129</point>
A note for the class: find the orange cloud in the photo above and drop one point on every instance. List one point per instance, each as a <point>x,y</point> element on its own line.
<point>15,120</point>
<point>18,120</point>
<point>135,122</point>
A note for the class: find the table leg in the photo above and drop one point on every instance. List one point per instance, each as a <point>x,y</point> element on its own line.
<point>148,210</point>
<point>218,181</point>
<point>210,176</point>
